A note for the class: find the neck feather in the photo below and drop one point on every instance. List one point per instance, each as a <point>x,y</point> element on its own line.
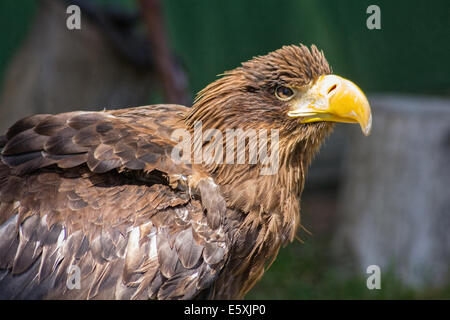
<point>272,199</point>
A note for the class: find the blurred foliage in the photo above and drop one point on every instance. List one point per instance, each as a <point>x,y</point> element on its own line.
<point>307,271</point>
<point>312,270</point>
<point>15,20</point>
<point>409,53</point>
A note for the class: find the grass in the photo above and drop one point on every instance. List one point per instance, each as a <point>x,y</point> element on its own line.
<point>310,270</point>
<point>307,271</point>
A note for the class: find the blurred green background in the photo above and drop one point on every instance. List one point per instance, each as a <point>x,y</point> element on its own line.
<point>409,54</point>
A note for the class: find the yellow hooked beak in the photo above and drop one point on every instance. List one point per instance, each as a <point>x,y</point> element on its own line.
<point>332,98</point>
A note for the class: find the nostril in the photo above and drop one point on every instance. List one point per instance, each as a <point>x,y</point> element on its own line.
<point>333,87</point>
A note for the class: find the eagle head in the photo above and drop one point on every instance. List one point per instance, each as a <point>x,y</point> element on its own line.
<point>298,82</point>
<point>291,89</point>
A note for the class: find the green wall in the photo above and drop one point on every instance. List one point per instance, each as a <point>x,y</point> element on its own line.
<point>409,54</point>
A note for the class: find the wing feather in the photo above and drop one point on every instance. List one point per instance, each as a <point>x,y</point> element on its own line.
<point>132,236</point>
<point>102,140</point>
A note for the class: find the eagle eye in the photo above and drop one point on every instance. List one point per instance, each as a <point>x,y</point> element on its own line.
<point>284,93</point>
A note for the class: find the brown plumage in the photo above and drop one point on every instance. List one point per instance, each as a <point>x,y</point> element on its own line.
<point>100,191</point>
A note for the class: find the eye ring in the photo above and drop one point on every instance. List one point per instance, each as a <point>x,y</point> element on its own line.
<point>284,93</point>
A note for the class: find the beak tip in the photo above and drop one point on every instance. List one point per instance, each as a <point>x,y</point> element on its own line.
<point>367,127</point>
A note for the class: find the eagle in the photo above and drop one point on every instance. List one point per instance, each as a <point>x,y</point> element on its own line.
<point>114,205</point>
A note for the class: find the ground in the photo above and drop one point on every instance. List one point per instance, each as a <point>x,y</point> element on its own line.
<point>309,271</point>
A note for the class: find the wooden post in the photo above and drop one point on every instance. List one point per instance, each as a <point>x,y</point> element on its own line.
<point>59,70</point>
<point>395,201</point>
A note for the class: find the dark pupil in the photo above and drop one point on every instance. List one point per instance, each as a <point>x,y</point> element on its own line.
<point>285,92</point>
